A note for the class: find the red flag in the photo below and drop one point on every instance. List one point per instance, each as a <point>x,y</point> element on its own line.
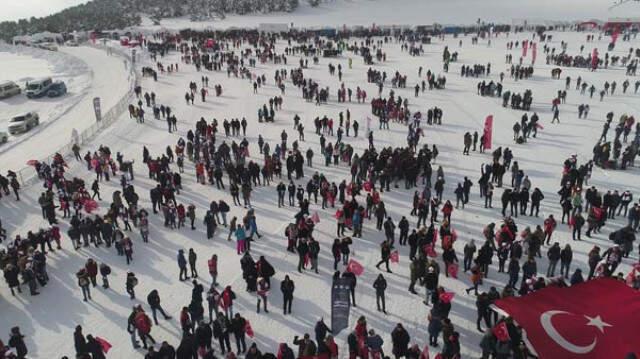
<point>395,257</point>
<point>447,297</point>
<point>501,332</point>
<point>425,353</point>
<point>315,218</point>
<point>32,162</point>
<point>248,329</point>
<point>453,270</point>
<point>105,345</point>
<point>596,319</point>
<point>488,131</point>
<point>354,267</point>
<point>90,205</point>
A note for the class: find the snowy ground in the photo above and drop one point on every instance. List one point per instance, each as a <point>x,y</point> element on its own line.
<point>88,72</point>
<point>420,12</point>
<point>48,320</point>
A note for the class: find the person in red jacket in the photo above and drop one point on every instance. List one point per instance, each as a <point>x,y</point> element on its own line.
<point>143,325</point>
<point>92,270</point>
<point>446,211</point>
<point>549,226</point>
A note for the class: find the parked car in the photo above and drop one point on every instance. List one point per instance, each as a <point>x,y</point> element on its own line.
<point>23,123</point>
<point>72,43</point>
<point>39,88</point>
<point>57,89</point>
<point>8,89</point>
<point>4,137</point>
<point>48,46</point>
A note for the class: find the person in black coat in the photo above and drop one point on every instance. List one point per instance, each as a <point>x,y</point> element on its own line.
<point>352,285</point>
<point>221,328</point>
<point>321,330</point>
<point>400,339</point>
<point>265,270</point>
<point>186,349</point>
<point>94,348</point>
<point>167,351</point>
<point>380,286</point>
<point>238,325</point>
<point>17,341</point>
<point>287,286</point>
<point>79,342</point>
<point>11,273</point>
<point>154,302</point>
<point>203,335</point>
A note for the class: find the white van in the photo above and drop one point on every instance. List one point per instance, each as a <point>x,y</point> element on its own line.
<point>38,88</point>
<point>8,89</point>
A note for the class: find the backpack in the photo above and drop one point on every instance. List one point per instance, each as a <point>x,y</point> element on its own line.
<point>105,269</point>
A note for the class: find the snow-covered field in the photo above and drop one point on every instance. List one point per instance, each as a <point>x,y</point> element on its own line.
<point>419,12</point>
<point>88,73</point>
<point>48,320</point>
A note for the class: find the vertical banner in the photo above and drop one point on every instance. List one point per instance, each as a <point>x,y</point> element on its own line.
<point>96,108</point>
<point>340,305</point>
<point>525,47</point>
<point>488,132</point>
<point>534,52</point>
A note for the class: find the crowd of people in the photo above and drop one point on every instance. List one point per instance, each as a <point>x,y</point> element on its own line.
<point>222,159</point>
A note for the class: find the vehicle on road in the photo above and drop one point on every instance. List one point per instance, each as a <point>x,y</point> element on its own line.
<point>23,123</point>
<point>9,89</point>
<point>57,89</point>
<point>38,88</point>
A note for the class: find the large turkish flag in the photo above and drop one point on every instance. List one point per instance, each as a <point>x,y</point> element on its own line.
<point>596,319</point>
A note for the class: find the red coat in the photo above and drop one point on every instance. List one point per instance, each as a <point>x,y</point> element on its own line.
<point>92,268</point>
<point>549,225</point>
<point>213,266</point>
<point>143,323</point>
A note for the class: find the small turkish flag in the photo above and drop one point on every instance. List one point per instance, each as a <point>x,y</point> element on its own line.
<point>104,345</point>
<point>248,329</point>
<point>501,332</point>
<point>447,297</point>
<point>395,257</point>
<point>354,267</point>
<point>596,319</point>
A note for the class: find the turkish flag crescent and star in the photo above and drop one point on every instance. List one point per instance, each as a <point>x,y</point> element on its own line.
<point>594,320</point>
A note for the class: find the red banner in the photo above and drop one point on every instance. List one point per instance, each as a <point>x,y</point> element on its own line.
<point>596,319</point>
<point>488,132</point>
